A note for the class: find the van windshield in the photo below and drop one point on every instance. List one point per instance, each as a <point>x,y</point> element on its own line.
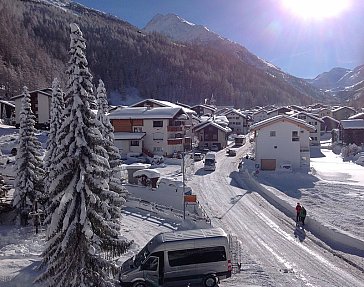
<point>141,256</point>
<point>209,162</point>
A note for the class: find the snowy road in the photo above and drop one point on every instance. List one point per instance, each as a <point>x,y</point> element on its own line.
<point>275,252</point>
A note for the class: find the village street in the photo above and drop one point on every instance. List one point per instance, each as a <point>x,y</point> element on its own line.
<point>274,252</point>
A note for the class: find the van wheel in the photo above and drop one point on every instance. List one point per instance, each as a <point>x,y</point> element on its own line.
<point>210,281</point>
<point>139,284</point>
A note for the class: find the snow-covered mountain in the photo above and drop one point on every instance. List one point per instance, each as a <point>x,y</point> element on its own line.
<point>346,84</point>
<point>339,78</point>
<point>181,30</point>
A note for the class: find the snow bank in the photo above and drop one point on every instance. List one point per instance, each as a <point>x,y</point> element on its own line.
<point>331,236</point>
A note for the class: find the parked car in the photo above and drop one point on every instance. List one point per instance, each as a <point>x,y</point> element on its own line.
<point>214,147</point>
<point>197,156</point>
<point>232,152</point>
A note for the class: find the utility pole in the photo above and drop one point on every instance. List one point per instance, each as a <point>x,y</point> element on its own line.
<point>183,185</point>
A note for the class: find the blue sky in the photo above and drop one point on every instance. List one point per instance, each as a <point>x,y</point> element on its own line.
<point>302,42</point>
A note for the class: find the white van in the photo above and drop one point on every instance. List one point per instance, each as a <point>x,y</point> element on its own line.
<point>210,161</point>
<point>180,258</point>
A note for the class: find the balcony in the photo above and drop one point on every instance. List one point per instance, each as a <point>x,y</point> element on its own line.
<point>174,129</point>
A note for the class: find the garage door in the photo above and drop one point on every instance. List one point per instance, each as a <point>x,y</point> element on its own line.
<point>268,164</point>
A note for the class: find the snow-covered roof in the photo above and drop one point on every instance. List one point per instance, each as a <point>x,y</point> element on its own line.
<point>128,136</point>
<point>281,118</point>
<point>341,108</point>
<point>330,118</point>
<point>162,103</point>
<point>234,111</point>
<point>212,123</point>
<point>9,103</point>
<point>308,115</point>
<point>352,124</point>
<point>149,173</point>
<point>145,113</point>
<point>357,116</point>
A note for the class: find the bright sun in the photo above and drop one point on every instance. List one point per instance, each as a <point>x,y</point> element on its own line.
<point>316,9</point>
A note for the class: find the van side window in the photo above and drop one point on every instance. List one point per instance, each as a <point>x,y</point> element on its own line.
<point>196,256</point>
<point>151,264</point>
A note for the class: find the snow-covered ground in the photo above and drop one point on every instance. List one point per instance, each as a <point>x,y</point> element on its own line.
<point>275,252</point>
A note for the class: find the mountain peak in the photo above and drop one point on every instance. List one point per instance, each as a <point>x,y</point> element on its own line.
<point>179,29</point>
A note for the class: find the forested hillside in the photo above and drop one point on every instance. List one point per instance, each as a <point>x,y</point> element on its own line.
<point>34,44</point>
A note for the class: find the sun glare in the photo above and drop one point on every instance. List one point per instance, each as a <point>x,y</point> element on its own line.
<point>316,9</point>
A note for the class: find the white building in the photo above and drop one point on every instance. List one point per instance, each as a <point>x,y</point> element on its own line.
<point>153,131</point>
<point>260,115</point>
<point>315,136</point>
<point>40,101</point>
<point>282,140</point>
<point>238,122</point>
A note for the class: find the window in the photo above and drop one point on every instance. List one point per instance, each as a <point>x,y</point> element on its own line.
<point>134,143</point>
<point>196,256</point>
<point>158,136</point>
<point>272,133</point>
<point>157,124</point>
<point>151,264</point>
<point>295,137</point>
<point>138,129</point>
<point>157,149</point>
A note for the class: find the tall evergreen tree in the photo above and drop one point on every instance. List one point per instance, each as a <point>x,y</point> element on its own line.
<point>81,232</point>
<point>56,112</point>
<point>29,165</point>
<point>107,130</point>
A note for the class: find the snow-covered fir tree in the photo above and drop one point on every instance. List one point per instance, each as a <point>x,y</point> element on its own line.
<point>82,233</point>
<point>56,114</point>
<point>29,165</point>
<point>107,130</point>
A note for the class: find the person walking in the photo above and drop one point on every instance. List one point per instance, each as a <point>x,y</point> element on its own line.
<point>298,211</point>
<point>303,215</point>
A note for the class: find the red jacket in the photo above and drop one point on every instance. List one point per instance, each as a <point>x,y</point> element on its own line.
<point>298,208</point>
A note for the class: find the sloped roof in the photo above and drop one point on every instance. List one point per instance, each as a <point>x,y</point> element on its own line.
<point>145,113</point>
<point>341,108</point>
<point>162,103</point>
<point>330,118</point>
<point>234,111</point>
<point>352,124</point>
<point>308,115</point>
<point>357,116</point>
<point>281,118</point>
<point>212,123</point>
<point>9,103</point>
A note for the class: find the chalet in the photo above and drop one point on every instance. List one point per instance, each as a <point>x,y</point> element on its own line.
<point>329,124</point>
<point>315,136</point>
<point>279,111</point>
<point>282,140</point>
<point>40,101</point>
<point>343,113</point>
<point>238,122</point>
<point>260,115</point>
<point>153,103</point>
<point>351,132</point>
<point>202,110</point>
<point>211,133</point>
<point>7,112</point>
<point>153,131</point>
